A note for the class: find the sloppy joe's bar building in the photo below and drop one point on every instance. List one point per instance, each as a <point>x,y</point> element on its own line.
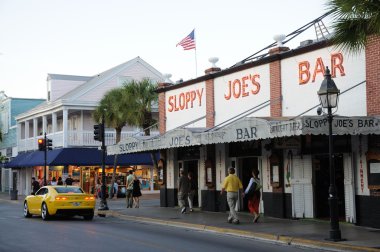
<point>263,115</point>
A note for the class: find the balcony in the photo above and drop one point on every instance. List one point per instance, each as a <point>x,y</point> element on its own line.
<point>75,139</point>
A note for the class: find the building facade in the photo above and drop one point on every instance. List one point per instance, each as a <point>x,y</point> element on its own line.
<point>66,118</point>
<point>263,115</point>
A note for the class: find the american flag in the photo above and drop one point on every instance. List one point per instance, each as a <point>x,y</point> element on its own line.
<point>188,42</point>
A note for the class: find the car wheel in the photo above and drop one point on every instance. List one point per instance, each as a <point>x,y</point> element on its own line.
<point>44,212</point>
<point>26,210</point>
<point>89,216</point>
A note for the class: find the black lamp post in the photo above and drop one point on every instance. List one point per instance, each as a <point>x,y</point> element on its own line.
<point>328,95</point>
<point>103,202</point>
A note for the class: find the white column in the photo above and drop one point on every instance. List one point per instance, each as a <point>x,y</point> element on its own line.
<point>35,127</point>
<point>19,145</point>
<point>26,129</point>
<point>65,127</point>
<point>81,127</point>
<point>54,122</point>
<point>44,125</point>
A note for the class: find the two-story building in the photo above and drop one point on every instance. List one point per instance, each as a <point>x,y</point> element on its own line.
<point>66,118</point>
<point>10,107</point>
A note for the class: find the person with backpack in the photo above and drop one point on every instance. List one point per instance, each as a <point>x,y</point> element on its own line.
<point>252,192</point>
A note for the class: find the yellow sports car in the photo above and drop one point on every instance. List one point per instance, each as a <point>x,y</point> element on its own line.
<point>60,200</point>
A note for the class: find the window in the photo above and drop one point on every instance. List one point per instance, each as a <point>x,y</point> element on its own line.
<point>42,191</point>
<point>71,189</point>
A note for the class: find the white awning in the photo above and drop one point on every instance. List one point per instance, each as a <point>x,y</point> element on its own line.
<point>172,139</point>
<point>249,129</point>
<point>315,125</point>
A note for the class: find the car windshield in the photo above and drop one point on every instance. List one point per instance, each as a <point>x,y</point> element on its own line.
<point>68,189</point>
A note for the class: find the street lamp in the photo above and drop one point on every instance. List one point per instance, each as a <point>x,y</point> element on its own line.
<point>328,95</point>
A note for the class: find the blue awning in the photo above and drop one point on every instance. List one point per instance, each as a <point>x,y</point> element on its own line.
<point>78,157</point>
<point>37,158</point>
<point>16,160</point>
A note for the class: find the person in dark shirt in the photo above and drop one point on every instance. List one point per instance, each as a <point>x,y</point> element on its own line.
<point>35,185</point>
<point>192,190</point>
<point>60,182</point>
<point>183,190</point>
<point>69,180</point>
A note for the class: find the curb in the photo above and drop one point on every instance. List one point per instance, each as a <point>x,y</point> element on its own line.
<point>280,239</point>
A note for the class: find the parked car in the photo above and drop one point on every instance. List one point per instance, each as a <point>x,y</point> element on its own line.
<point>60,200</point>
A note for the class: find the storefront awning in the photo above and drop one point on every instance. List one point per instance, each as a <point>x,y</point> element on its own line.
<point>16,160</point>
<point>91,156</point>
<point>245,129</point>
<point>314,125</point>
<point>249,129</point>
<point>78,157</point>
<point>172,139</point>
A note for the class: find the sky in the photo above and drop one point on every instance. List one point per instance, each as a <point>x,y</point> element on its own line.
<point>87,37</point>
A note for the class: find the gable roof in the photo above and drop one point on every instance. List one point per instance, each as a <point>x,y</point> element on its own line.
<point>106,75</point>
<point>68,77</point>
<point>71,97</point>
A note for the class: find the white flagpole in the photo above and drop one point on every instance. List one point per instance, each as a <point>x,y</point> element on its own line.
<point>195,52</point>
<point>196,65</point>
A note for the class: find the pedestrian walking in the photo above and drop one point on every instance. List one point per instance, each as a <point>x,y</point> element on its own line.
<point>183,190</point>
<point>59,182</point>
<point>192,190</point>
<point>115,188</point>
<point>35,185</point>
<point>136,192</point>
<point>252,193</point>
<point>232,185</point>
<point>130,180</point>
<point>98,189</point>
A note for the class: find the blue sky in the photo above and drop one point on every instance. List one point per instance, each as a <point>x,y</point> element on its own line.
<point>86,37</point>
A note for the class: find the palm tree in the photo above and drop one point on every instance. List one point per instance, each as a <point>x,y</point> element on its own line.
<point>140,96</point>
<point>354,21</point>
<point>115,116</point>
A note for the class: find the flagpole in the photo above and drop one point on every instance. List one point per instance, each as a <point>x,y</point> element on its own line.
<point>196,65</point>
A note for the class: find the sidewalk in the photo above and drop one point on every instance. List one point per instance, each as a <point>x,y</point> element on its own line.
<point>308,233</point>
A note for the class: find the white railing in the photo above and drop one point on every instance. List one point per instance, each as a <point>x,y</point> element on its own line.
<point>76,139</point>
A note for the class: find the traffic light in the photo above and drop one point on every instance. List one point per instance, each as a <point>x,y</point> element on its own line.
<point>41,144</point>
<point>49,144</point>
<point>98,132</point>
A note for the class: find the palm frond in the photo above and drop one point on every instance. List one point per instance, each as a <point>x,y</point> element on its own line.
<point>354,21</point>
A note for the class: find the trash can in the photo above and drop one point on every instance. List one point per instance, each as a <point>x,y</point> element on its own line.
<point>14,194</point>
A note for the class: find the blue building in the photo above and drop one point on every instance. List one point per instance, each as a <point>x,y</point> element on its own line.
<point>9,108</point>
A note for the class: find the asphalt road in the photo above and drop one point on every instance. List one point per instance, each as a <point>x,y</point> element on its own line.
<point>111,234</point>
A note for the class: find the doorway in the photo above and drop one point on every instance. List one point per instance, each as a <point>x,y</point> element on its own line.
<point>192,166</point>
<point>246,165</point>
<point>322,184</point>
